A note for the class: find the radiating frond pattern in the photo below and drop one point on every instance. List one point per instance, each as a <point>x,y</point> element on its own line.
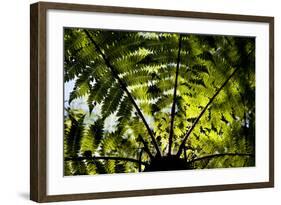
<point>127,82</point>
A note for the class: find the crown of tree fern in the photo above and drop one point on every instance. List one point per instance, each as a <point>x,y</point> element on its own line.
<point>187,96</point>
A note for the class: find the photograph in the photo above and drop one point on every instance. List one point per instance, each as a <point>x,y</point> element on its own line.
<point>130,101</point>
<point>146,101</point>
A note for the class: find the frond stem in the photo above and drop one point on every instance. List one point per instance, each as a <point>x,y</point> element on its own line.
<point>146,149</point>
<point>140,156</point>
<point>124,87</point>
<point>173,109</point>
<point>203,111</point>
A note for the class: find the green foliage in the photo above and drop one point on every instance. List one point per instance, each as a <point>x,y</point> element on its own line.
<point>126,71</point>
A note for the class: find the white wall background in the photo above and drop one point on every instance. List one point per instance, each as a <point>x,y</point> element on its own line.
<point>14,103</point>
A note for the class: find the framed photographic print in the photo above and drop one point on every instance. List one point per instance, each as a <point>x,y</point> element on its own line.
<point>134,102</point>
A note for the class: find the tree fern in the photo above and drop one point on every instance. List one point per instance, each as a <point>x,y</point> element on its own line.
<point>174,97</point>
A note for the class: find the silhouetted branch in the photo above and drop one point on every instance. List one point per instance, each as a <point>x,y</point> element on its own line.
<point>203,111</point>
<point>146,149</point>
<point>140,156</point>
<point>124,87</point>
<point>173,109</point>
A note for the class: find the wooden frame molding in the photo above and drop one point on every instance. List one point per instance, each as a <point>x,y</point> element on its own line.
<point>38,95</point>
